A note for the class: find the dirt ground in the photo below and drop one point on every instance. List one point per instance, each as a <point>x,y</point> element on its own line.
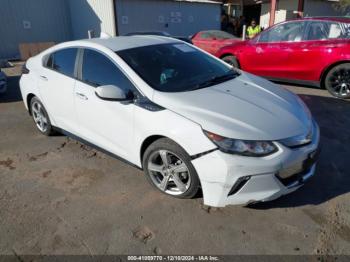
<point>58,196</point>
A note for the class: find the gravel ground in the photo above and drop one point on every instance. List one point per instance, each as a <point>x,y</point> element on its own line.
<point>58,196</point>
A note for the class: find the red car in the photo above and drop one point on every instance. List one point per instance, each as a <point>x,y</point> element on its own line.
<point>310,51</point>
<point>212,40</point>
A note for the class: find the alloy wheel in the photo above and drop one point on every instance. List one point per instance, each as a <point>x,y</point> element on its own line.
<point>339,82</point>
<point>39,116</point>
<point>169,172</point>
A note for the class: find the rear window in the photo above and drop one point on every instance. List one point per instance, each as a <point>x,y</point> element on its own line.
<point>323,30</point>
<point>63,61</point>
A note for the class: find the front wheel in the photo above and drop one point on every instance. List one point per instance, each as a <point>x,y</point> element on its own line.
<point>231,60</point>
<point>168,167</point>
<point>337,81</point>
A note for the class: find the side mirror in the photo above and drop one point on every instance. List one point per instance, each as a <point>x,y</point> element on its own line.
<point>112,93</point>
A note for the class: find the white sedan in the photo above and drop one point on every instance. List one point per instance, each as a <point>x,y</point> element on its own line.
<point>187,119</point>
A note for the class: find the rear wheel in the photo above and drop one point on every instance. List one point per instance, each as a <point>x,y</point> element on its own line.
<point>40,117</point>
<point>231,60</point>
<point>337,81</point>
<point>168,167</point>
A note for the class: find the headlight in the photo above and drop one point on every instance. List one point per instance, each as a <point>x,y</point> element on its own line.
<point>242,147</point>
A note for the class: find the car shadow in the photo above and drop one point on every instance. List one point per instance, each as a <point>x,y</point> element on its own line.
<point>13,93</point>
<point>332,178</point>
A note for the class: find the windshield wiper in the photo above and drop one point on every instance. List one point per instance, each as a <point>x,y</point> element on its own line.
<point>216,80</point>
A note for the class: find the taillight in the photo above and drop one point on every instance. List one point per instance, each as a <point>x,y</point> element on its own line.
<point>25,70</point>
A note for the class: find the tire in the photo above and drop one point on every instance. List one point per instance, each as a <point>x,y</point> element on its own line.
<point>177,177</point>
<point>337,81</point>
<point>231,60</point>
<point>40,117</point>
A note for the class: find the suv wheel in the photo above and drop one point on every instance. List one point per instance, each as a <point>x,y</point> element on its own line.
<point>231,60</point>
<point>337,81</point>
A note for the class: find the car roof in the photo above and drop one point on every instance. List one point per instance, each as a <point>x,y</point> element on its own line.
<point>127,42</point>
<point>159,33</point>
<point>345,19</point>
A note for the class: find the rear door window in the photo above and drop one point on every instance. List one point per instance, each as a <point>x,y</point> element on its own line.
<point>63,61</point>
<point>326,30</point>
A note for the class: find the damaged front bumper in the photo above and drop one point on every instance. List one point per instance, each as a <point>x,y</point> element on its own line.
<point>237,180</point>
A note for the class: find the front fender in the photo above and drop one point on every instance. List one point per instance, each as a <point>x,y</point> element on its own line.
<point>166,123</point>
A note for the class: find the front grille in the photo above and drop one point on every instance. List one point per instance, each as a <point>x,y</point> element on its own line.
<point>286,178</point>
<point>294,178</point>
<point>291,170</point>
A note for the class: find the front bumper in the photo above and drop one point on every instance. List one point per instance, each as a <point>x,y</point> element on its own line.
<point>237,180</point>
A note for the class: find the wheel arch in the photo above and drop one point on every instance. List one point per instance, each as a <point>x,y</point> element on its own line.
<point>147,142</point>
<point>226,54</point>
<point>329,68</point>
<point>29,98</point>
<point>230,54</point>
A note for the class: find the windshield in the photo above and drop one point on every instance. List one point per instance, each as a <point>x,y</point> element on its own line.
<point>176,67</point>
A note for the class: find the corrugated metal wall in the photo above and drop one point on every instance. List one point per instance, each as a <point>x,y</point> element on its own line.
<point>321,8</point>
<point>176,18</point>
<point>24,21</point>
<point>48,20</point>
<point>94,15</point>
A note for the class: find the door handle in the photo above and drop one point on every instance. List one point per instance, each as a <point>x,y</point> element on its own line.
<point>82,96</point>
<point>44,78</point>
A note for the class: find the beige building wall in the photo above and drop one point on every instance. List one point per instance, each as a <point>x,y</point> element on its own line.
<point>95,15</point>
<point>286,9</point>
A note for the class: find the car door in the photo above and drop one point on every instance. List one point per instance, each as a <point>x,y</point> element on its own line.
<point>267,55</point>
<point>56,83</point>
<point>316,51</point>
<point>107,124</point>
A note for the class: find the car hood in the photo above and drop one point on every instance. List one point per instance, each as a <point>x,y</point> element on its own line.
<point>247,107</point>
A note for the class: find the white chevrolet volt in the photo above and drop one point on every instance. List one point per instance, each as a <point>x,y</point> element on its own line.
<point>189,120</point>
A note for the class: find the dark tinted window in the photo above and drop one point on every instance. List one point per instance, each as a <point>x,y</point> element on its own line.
<point>63,61</point>
<point>176,67</point>
<point>49,61</point>
<point>99,70</point>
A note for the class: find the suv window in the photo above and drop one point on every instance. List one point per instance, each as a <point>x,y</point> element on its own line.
<point>345,27</point>
<point>63,61</point>
<point>99,70</point>
<point>286,32</point>
<point>323,30</point>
